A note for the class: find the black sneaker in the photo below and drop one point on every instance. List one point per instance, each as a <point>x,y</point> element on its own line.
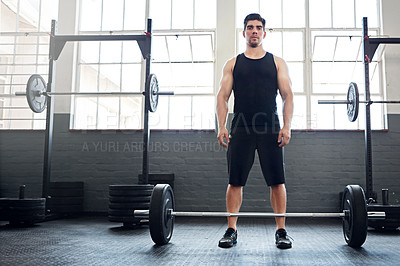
<point>282,239</point>
<point>229,239</point>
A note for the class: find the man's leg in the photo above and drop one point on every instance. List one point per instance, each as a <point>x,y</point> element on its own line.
<point>278,202</point>
<point>233,203</point>
<point>234,196</point>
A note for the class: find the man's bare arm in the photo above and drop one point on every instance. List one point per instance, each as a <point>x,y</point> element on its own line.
<point>224,93</point>
<point>285,90</point>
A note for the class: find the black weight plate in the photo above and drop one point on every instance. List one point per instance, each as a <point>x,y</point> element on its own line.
<point>35,86</point>
<point>355,223</point>
<point>152,89</point>
<point>161,224</point>
<point>66,192</point>
<point>130,193</point>
<point>129,206</point>
<point>116,199</point>
<point>353,99</point>
<point>65,208</point>
<point>76,185</point>
<point>24,203</point>
<point>65,201</point>
<point>131,187</point>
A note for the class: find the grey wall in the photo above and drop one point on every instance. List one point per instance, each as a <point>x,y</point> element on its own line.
<point>318,165</point>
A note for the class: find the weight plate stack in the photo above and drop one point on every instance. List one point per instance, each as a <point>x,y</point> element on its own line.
<point>124,199</point>
<point>392,220</point>
<point>65,198</point>
<point>27,211</point>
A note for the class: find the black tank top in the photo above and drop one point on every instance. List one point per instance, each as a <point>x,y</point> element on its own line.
<point>255,87</point>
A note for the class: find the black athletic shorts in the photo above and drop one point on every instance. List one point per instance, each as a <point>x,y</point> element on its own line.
<point>241,152</point>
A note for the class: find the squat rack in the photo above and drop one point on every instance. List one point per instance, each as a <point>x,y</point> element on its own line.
<point>369,48</point>
<point>57,43</point>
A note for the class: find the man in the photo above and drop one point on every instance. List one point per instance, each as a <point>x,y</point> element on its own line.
<point>255,77</point>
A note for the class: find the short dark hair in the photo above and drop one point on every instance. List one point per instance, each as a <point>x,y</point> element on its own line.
<point>254,16</point>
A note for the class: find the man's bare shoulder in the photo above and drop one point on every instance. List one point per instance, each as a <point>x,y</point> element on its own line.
<point>279,62</point>
<point>229,65</point>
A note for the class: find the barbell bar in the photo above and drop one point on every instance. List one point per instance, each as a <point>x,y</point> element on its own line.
<point>353,101</point>
<point>144,214</point>
<point>36,93</point>
<point>355,216</point>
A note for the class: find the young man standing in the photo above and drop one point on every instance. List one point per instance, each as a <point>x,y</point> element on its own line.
<point>255,77</point>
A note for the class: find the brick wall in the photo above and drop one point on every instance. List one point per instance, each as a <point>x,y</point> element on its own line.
<point>318,165</point>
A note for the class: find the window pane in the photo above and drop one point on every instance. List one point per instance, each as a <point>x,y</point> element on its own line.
<point>48,13</point>
<point>112,14</point>
<point>243,8</point>
<point>89,52</point>
<point>293,52</point>
<point>182,14</point>
<point>159,49</point>
<point>90,18</point>
<point>202,48</point>
<point>343,13</point>
<point>29,15</point>
<point>135,11</point>
<point>299,120</point>
<point>159,119</point>
<point>297,76</point>
<point>323,48</point>
<point>161,9</point>
<point>110,76</point>
<point>108,109</point>
<point>180,112</point>
<point>131,77</point>
<point>164,75</point>
<point>369,9</point>
<point>322,114</point>
<point>110,52</point>
<point>179,48</point>
<point>320,13</point>
<point>8,19</point>
<point>131,112</point>
<point>203,112</point>
<point>131,52</point>
<point>272,12</point>
<point>86,108</point>
<point>273,43</point>
<point>88,77</point>
<point>348,49</point>
<point>293,13</point>
<point>205,16</point>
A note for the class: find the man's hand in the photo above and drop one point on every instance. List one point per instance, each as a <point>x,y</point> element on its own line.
<point>284,137</point>
<point>223,133</point>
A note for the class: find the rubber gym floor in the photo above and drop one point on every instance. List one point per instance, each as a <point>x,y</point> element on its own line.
<point>93,240</point>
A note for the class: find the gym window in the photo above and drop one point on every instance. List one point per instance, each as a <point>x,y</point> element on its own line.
<point>24,47</point>
<point>182,58</point>
<point>321,42</point>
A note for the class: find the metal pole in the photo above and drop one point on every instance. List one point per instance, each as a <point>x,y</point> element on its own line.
<point>367,131</point>
<point>49,116</point>
<point>146,130</point>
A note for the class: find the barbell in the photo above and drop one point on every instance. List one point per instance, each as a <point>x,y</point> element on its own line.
<point>353,102</point>
<point>161,215</point>
<point>36,93</point>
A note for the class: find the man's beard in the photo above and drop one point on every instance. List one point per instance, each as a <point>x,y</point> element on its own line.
<point>253,44</point>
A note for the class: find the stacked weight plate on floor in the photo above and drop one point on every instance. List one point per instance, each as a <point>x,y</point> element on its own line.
<point>22,211</point>
<point>66,198</point>
<point>124,199</point>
